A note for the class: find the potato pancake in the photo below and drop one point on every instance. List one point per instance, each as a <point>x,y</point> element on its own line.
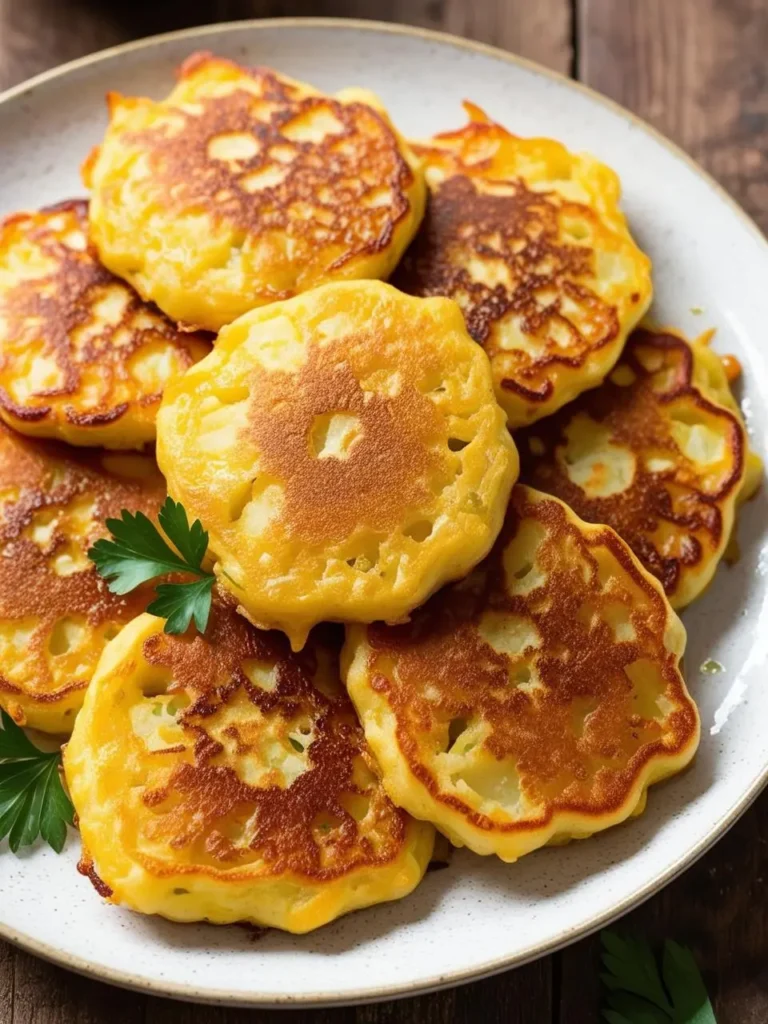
<point>529,239</point>
<point>244,187</point>
<point>535,701</point>
<point>223,778</point>
<point>56,613</point>
<point>345,452</point>
<point>82,357</point>
<point>659,452</point>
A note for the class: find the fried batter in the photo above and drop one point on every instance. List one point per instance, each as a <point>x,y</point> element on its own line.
<point>56,613</point>
<point>529,240</point>
<point>345,452</point>
<point>245,187</point>
<point>223,778</point>
<point>659,452</point>
<point>82,357</point>
<point>534,701</point>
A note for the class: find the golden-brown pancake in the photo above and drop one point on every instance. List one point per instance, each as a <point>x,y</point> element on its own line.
<point>659,452</point>
<point>222,778</point>
<point>530,241</point>
<point>82,357</point>
<point>536,700</point>
<point>345,452</point>
<point>244,187</point>
<point>56,613</point>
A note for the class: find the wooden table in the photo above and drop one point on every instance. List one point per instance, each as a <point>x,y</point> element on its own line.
<point>697,70</point>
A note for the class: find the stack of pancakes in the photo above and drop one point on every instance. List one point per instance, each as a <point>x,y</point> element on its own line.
<point>509,667</point>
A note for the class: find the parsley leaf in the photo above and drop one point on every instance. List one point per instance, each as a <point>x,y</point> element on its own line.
<point>138,552</point>
<point>638,993</point>
<point>14,742</point>
<point>192,541</point>
<point>179,603</point>
<point>685,985</point>
<point>32,799</point>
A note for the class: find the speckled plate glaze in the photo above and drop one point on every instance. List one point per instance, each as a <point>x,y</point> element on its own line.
<point>478,916</point>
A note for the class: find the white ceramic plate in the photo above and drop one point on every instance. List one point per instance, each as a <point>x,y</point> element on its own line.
<point>478,916</point>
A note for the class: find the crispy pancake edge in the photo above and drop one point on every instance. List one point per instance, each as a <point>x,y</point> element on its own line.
<point>49,476</point>
<point>62,302</point>
<point>415,787</point>
<point>283,895</point>
<point>699,380</point>
<point>494,226</point>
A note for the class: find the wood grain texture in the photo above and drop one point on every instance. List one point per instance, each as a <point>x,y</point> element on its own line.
<point>38,34</point>
<point>697,70</point>
<point>7,981</point>
<point>44,994</point>
<point>717,908</point>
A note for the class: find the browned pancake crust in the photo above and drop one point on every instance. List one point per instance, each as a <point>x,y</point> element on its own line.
<point>38,478</point>
<point>49,310</point>
<point>304,828</point>
<point>580,744</point>
<point>327,194</point>
<point>522,230</point>
<point>397,462</point>
<point>636,415</point>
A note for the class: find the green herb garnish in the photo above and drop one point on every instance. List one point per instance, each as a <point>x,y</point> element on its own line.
<point>640,993</point>
<point>32,799</point>
<point>138,552</point>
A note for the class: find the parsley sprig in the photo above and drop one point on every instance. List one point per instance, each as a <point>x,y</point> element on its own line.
<point>138,552</point>
<point>32,799</point>
<point>640,993</point>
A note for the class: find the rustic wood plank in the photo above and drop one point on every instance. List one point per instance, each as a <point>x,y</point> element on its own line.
<point>540,31</point>
<point>39,34</point>
<point>517,997</point>
<point>7,982</point>
<point>45,994</point>
<point>696,70</point>
<point>715,908</point>
<point>166,1011</point>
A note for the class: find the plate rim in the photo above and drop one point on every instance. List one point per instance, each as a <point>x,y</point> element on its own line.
<point>372,994</point>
